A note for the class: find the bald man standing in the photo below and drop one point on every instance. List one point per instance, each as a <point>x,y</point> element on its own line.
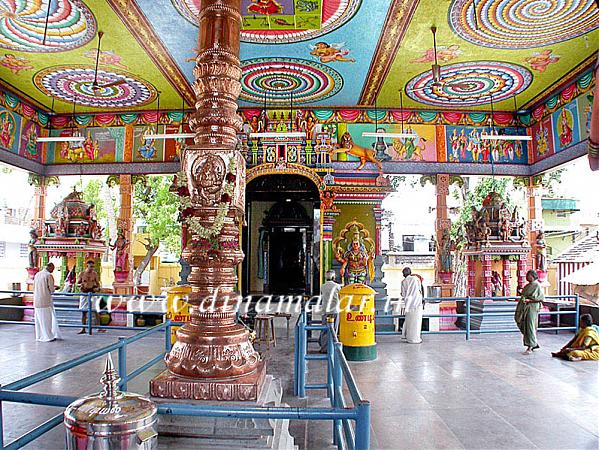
<point>46,325</point>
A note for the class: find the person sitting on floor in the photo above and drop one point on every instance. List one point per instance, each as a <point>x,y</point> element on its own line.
<point>583,346</point>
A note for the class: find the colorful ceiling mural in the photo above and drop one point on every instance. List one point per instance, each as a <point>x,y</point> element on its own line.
<point>324,53</point>
<point>532,46</point>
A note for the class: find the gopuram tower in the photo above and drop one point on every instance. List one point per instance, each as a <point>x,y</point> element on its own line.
<point>213,358</point>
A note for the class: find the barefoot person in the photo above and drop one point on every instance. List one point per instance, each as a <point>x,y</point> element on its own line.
<point>527,311</point>
<point>411,292</point>
<point>583,346</point>
<point>46,325</point>
<point>88,282</point>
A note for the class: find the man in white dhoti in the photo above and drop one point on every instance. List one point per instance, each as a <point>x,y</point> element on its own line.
<point>329,297</point>
<point>411,292</point>
<point>46,325</point>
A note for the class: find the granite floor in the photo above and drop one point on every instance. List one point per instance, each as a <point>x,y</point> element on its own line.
<point>444,393</point>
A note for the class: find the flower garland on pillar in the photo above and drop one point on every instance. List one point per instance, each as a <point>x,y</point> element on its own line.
<point>194,223</point>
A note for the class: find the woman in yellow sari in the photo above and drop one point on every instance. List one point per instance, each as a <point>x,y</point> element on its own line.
<point>527,311</point>
<point>583,346</point>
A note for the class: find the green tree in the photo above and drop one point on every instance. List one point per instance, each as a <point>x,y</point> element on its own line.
<point>98,193</point>
<point>158,208</point>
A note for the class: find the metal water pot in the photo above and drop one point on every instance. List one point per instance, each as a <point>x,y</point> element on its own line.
<point>111,420</point>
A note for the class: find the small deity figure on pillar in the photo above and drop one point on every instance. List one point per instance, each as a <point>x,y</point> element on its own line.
<point>470,231</point>
<point>446,249</point>
<point>522,232</point>
<point>327,198</point>
<point>505,228</point>
<point>93,221</point>
<point>62,224</point>
<point>208,179</point>
<point>120,246</point>
<point>485,232</point>
<point>32,255</point>
<point>541,256</point>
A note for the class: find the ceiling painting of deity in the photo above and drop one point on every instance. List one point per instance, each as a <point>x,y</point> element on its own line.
<point>323,53</point>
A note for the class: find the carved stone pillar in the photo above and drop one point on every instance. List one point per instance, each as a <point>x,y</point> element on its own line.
<point>40,184</point>
<point>471,276</point>
<point>442,226</point>
<point>328,222</point>
<point>123,283</point>
<point>507,274</point>
<point>213,358</point>
<point>521,270</point>
<point>486,263</point>
<point>378,218</point>
<point>535,220</point>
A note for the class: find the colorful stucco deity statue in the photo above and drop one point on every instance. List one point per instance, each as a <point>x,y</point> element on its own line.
<point>32,255</point>
<point>355,251</point>
<point>120,247</point>
<point>541,256</point>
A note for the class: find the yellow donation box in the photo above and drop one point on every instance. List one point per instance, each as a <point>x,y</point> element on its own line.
<point>356,322</point>
<point>177,309</point>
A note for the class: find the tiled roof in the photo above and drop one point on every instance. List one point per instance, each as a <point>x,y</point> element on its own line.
<point>584,250</point>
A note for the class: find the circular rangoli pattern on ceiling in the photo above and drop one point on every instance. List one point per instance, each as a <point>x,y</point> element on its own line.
<point>75,83</point>
<point>470,84</point>
<point>22,22</point>
<point>288,20</point>
<point>280,78</point>
<point>515,24</point>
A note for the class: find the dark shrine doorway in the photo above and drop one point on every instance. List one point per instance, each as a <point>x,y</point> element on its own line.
<point>281,236</point>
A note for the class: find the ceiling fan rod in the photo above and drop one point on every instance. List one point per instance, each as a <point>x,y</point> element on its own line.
<point>434,30</point>
<point>74,138</point>
<point>493,136</point>
<point>95,83</point>
<point>47,19</point>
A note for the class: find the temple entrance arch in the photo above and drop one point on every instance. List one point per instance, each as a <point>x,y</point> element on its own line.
<point>281,234</point>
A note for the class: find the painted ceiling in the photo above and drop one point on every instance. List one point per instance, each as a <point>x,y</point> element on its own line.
<point>322,52</point>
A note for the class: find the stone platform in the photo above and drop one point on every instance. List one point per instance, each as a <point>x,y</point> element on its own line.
<point>493,322</point>
<point>223,433</point>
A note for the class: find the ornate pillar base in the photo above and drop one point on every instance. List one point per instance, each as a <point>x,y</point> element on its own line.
<point>246,387</point>
<point>447,289</point>
<point>123,288</point>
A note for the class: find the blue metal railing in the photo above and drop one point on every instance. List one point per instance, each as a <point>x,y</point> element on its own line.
<point>92,307</point>
<point>344,435</point>
<point>468,315</point>
<point>11,392</point>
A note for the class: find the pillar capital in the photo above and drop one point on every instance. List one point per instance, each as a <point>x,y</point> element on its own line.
<point>42,181</point>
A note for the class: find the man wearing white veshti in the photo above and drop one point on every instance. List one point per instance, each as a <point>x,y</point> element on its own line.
<point>46,325</point>
<point>411,292</point>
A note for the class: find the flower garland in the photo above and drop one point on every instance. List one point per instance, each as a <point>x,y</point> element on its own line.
<point>193,223</point>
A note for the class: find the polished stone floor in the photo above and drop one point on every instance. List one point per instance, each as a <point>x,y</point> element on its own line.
<point>444,393</point>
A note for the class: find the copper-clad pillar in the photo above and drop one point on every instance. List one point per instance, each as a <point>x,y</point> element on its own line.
<point>213,357</point>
